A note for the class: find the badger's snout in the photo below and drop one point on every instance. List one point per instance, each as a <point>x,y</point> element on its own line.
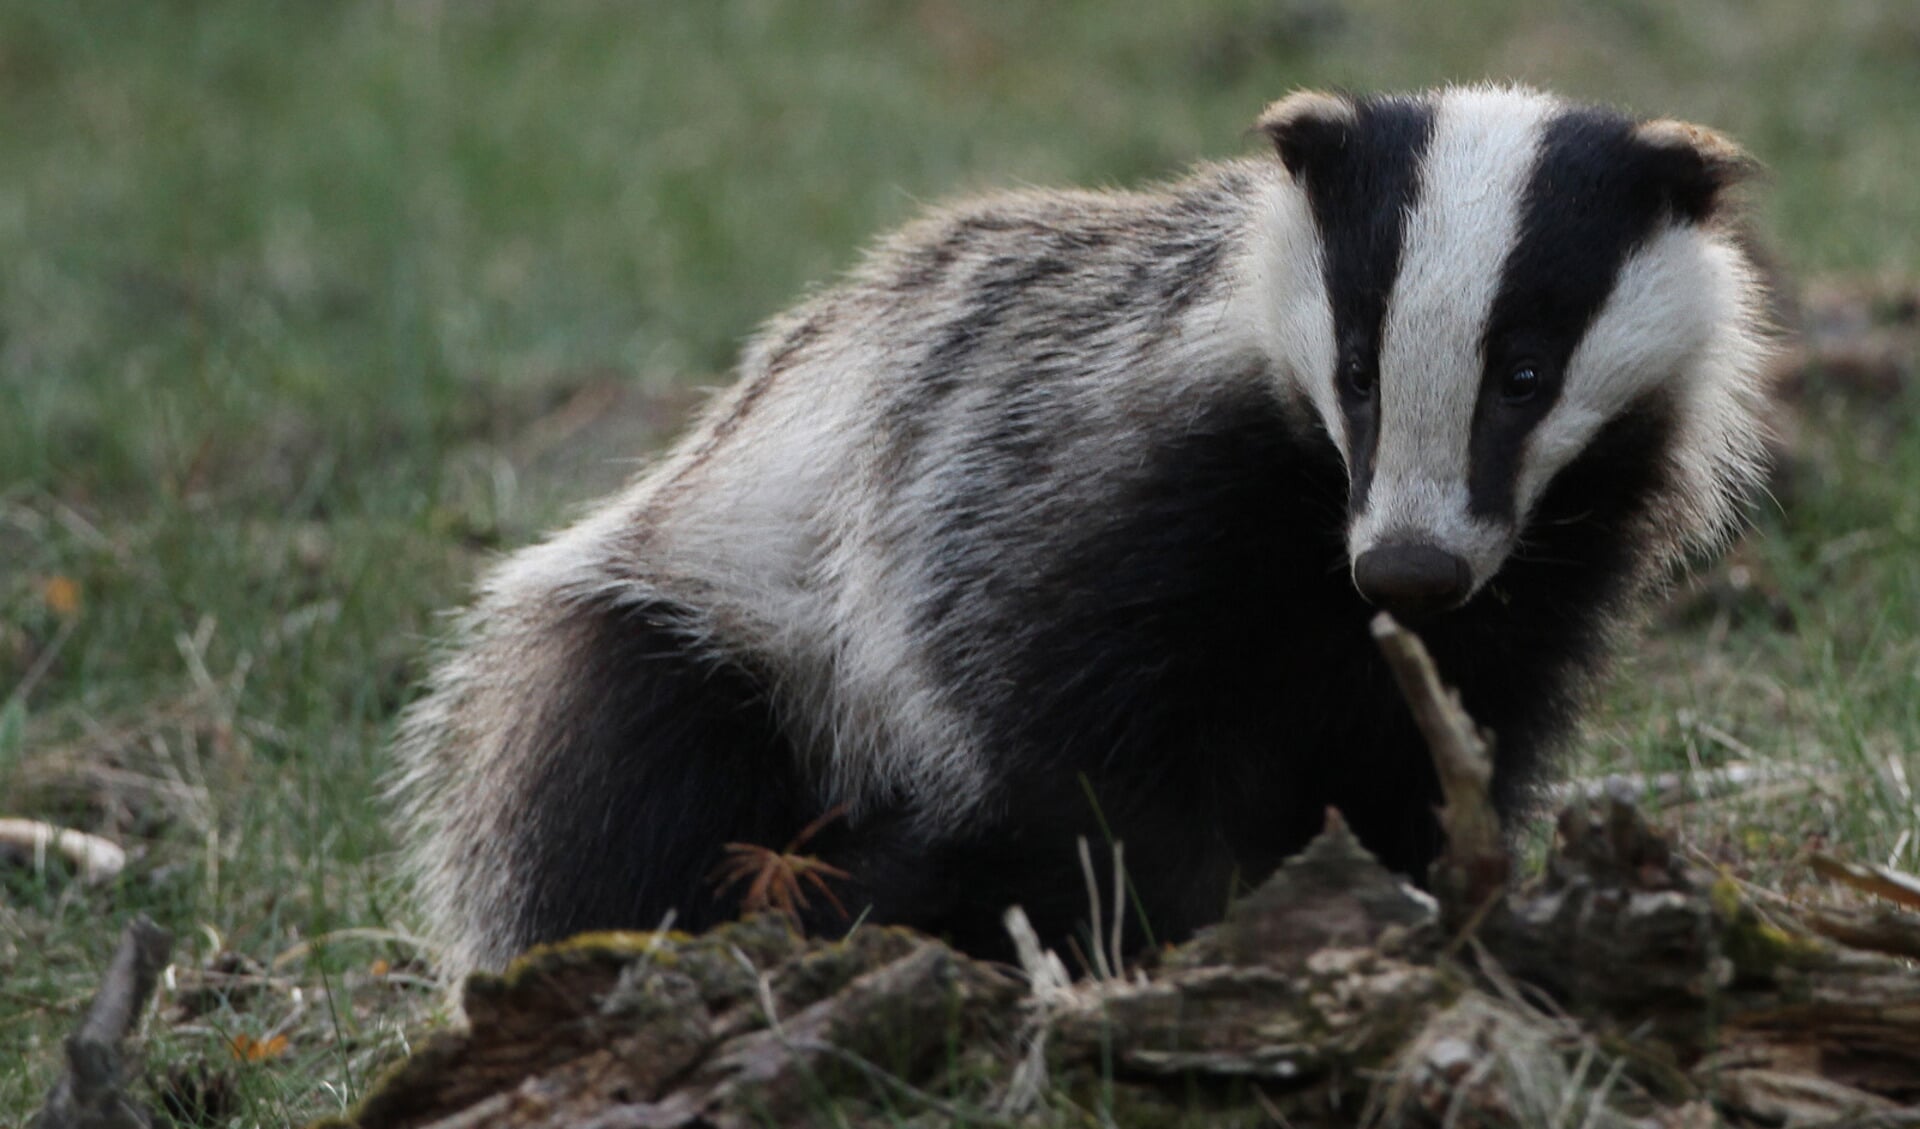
<point>1412,578</point>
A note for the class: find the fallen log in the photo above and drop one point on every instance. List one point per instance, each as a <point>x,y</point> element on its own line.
<point>1620,987</point>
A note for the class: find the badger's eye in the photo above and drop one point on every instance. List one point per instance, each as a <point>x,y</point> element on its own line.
<point>1520,384</point>
<point>1357,377</point>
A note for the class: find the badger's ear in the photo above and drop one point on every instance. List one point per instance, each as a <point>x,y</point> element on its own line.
<point>1693,165</point>
<point>1307,125</point>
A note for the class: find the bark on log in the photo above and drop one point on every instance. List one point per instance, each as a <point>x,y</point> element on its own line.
<point>1620,988</point>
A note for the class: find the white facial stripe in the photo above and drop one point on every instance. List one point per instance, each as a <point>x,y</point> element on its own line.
<point>1300,328</point>
<point>1652,328</point>
<point>1473,181</point>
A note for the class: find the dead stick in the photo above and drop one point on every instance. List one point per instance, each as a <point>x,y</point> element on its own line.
<point>90,1094</point>
<point>1885,931</point>
<point>1475,865</point>
<point>1893,885</point>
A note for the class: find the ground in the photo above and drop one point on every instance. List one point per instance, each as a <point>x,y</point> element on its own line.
<point>307,310</point>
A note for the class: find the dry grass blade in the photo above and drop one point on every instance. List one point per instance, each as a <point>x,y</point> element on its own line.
<point>1099,966</point>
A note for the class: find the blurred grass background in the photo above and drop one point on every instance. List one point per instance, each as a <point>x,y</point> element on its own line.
<point>306,308</point>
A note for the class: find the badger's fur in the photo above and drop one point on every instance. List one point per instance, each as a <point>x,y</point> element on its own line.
<point>1054,520</point>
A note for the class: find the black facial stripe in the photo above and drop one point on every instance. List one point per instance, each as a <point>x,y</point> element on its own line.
<point>1361,190</point>
<point>1595,194</point>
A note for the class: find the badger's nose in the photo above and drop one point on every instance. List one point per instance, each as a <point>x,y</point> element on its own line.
<point>1412,578</point>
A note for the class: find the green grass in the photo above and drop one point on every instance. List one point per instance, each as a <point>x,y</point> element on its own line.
<point>306,307</point>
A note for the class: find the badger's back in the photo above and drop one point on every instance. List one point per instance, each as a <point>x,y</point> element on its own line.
<point>1038,526</point>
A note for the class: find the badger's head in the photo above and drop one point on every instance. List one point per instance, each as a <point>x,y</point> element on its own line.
<point>1471,286</point>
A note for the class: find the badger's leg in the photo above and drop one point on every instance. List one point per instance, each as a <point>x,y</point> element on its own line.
<point>1024,849</point>
<point>645,757</point>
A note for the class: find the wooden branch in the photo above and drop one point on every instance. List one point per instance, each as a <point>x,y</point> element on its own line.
<point>91,1094</point>
<point>1475,867</point>
<point>1882,881</point>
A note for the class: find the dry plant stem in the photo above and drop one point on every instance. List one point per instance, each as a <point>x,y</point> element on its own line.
<point>1099,966</point>
<point>89,1095</point>
<point>1885,882</point>
<point>1475,866</point>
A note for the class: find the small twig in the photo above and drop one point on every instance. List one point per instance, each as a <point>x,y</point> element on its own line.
<point>1885,882</point>
<point>1273,1112</point>
<point>302,949</point>
<point>1031,1079</point>
<point>1045,972</point>
<point>1048,981</point>
<point>952,1112</point>
<point>798,1047</point>
<point>1689,720</point>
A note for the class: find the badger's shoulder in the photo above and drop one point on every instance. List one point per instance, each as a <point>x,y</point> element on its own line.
<point>1065,230</point>
<point>1069,312</point>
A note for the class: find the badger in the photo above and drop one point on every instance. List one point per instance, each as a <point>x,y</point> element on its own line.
<point>1063,517</point>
